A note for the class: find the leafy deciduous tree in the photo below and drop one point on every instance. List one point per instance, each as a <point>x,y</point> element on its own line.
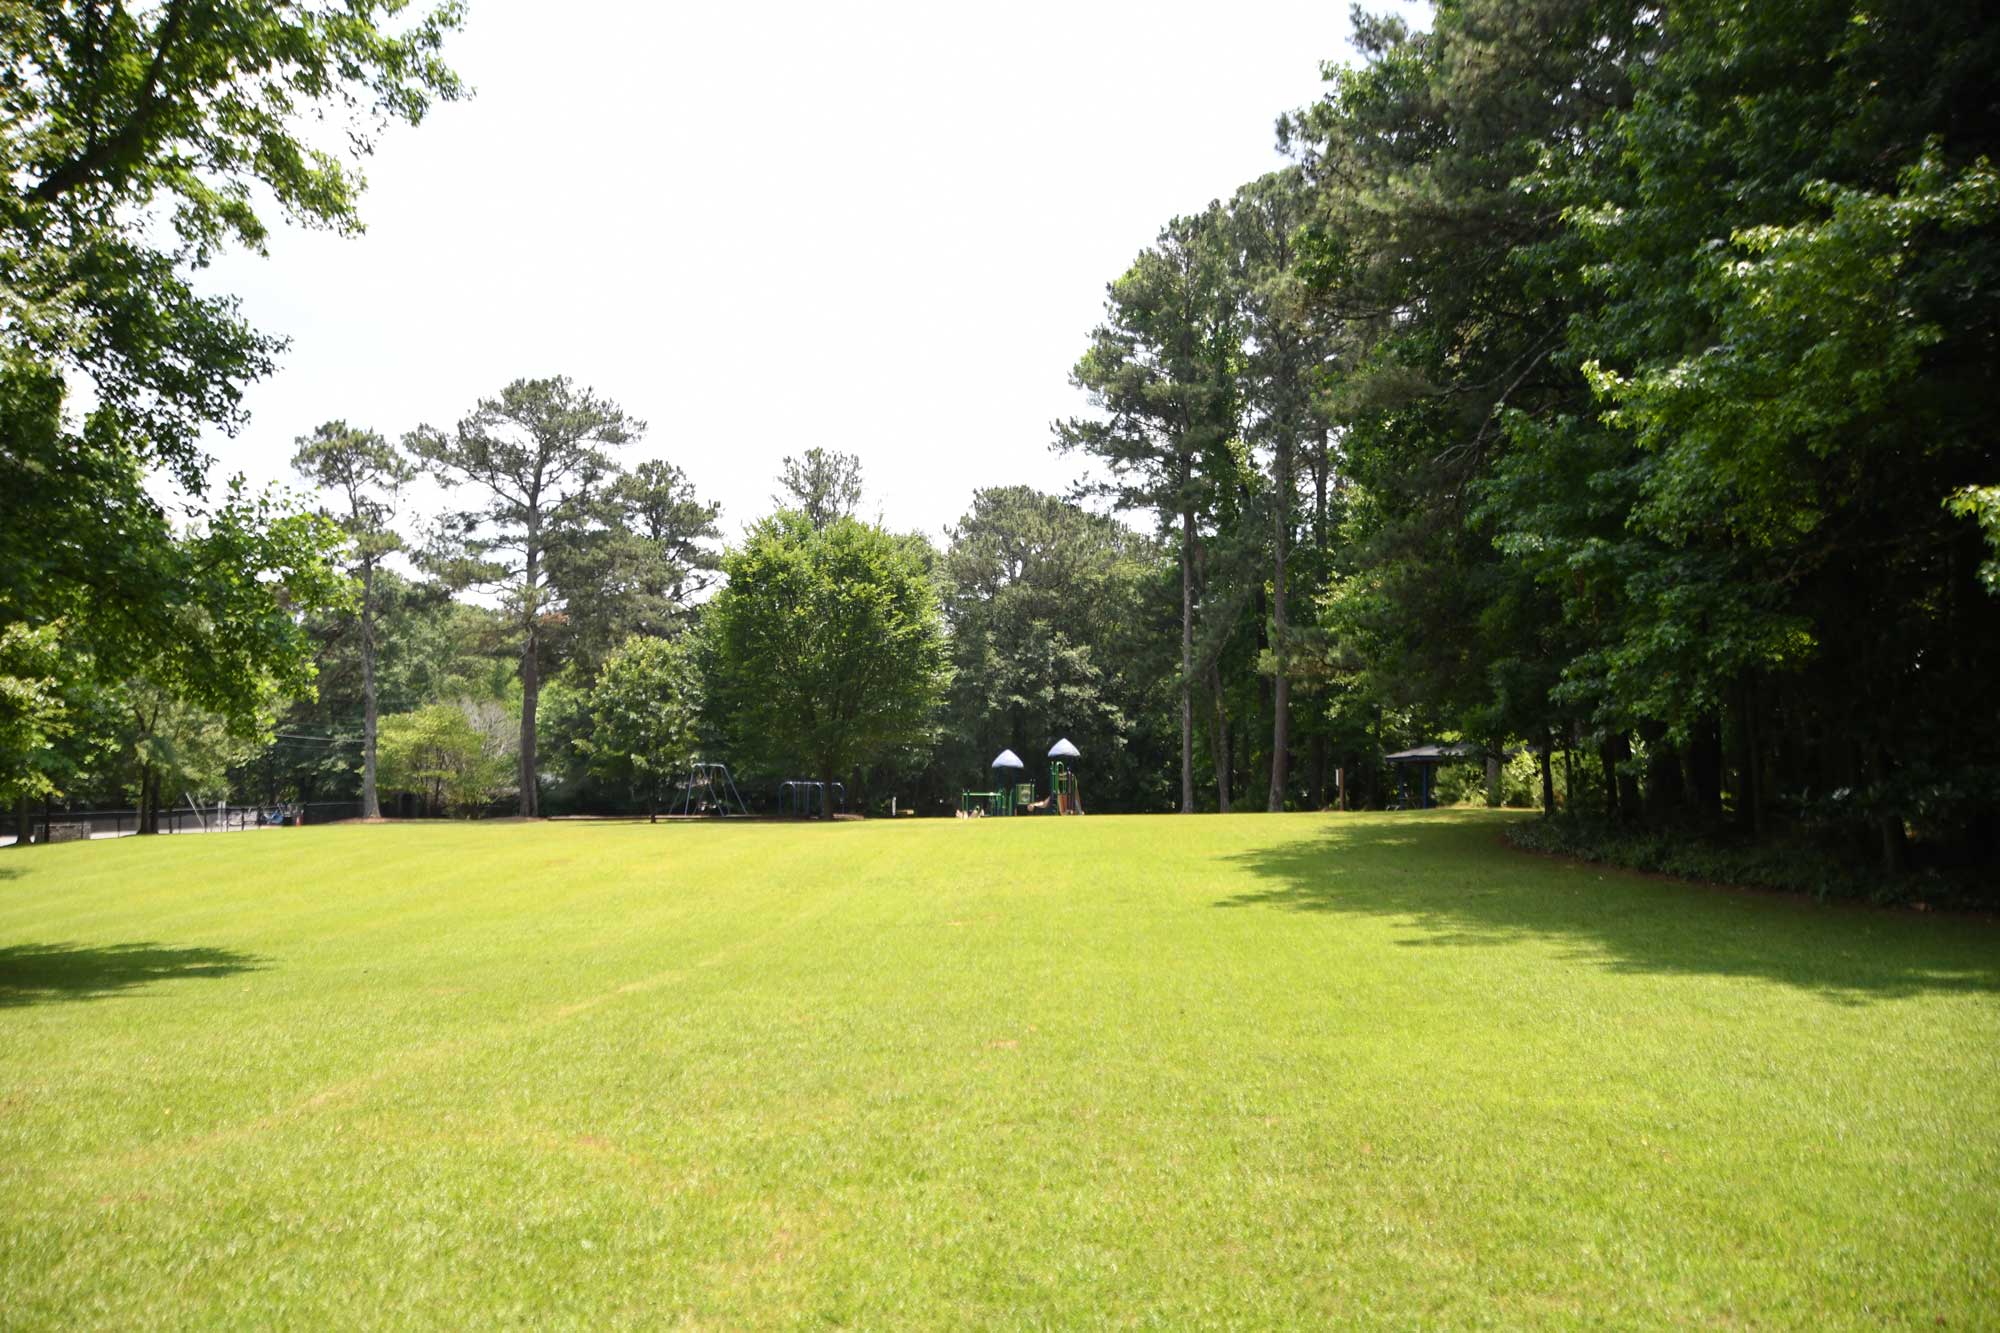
<point>643,713</point>
<point>442,755</point>
<point>829,650</point>
<point>138,142</point>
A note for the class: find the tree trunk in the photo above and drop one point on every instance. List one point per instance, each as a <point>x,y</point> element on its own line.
<point>1493,776</point>
<point>1281,696</point>
<point>531,680</point>
<point>149,800</point>
<point>1316,766</point>
<point>1548,780</point>
<point>24,823</point>
<point>1628,786</point>
<point>1892,845</point>
<point>1221,738</point>
<point>1187,661</point>
<point>1266,718</point>
<point>371,805</point>
<point>1664,783</point>
<point>1377,770</point>
<point>1749,781</point>
<point>531,688</point>
<point>1322,468</point>
<point>1704,767</point>
<point>1890,826</point>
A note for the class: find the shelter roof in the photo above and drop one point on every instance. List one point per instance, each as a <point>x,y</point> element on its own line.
<point>1435,754</point>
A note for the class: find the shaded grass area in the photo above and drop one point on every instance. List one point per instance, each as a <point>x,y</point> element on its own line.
<point>1637,926</point>
<point>1245,1070</point>
<point>36,972</point>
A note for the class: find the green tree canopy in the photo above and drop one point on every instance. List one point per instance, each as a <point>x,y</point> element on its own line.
<point>1057,617</point>
<point>639,565</point>
<point>1161,373</point>
<point>822,484</point>
<point>829,652</point>
<point>441,755</point>
<point>365,475</point>
<point>643,714</point>
<point>539,454</point>
<point>139,142</point>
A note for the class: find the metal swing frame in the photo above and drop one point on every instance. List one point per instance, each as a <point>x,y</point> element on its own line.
<point>716,779</point>
<point>809,798</point>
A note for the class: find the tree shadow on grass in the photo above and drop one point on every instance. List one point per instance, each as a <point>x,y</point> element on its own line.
<point>1457,886</point>
<point>39,973</point>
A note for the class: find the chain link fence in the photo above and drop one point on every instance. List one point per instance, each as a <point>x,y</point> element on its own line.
<point>220,817</point>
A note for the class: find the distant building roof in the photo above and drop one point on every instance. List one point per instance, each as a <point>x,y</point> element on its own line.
<point>1439,754</point>
<point>1432,754</point>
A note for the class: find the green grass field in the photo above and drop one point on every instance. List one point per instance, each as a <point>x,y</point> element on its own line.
<point>1240,1071</point>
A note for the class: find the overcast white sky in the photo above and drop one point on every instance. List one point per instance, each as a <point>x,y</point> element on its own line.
<point>884,229</point>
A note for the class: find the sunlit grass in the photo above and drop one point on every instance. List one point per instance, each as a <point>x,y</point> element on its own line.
<point>1251,1070</point>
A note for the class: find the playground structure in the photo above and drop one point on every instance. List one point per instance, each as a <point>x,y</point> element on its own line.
<point>708,790</point>
<point>802,798</point>
<point>1063,789</point>
<point>1005,796</point>
<point>1013,797</point>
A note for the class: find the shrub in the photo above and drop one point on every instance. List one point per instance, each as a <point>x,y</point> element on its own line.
<point>454,757</point>
<point>1710,855</point>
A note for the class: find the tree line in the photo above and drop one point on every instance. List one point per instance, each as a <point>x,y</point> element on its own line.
<point>168,634</point>
<point>633,643</point>
<point>143,636</point>
<point>1602,386</point>
<point>1611,381</point>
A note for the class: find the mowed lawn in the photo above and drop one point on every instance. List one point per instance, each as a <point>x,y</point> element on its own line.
<point>1238,1071</point>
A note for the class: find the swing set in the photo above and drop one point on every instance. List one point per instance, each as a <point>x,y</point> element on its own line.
<point>708,790</point>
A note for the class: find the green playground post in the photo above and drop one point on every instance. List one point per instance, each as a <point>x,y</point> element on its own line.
<point>1065,798</point>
